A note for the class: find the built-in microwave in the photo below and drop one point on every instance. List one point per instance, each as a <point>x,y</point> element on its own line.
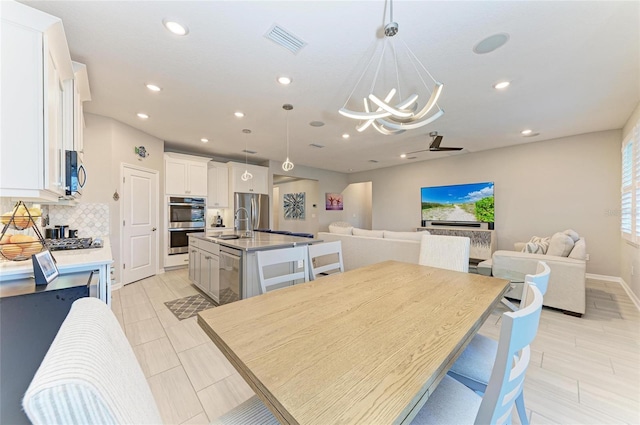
<point>75,174</point>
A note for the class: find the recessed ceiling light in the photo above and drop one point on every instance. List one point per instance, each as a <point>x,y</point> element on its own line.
<point>316,123</point>
<point>175,27</point>
<point>239,114</point>
<point>345,136</point>
<point>404,155</point>
<point>142,115</point>
<point>204,140</point>
<point>502,85</point>
<point>350,169</point>
<point>491,43</point>
<point>285,80</point>
<point>526,132</point>
<point>153,87</point>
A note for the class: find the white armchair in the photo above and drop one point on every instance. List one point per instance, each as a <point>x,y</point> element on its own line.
<point>567,282</point>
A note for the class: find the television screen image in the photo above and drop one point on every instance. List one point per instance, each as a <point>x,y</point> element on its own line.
<point>471,202</point>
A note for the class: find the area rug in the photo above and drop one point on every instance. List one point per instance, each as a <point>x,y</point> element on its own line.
<point>186,307</point>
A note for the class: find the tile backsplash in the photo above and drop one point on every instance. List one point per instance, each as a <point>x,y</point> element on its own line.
<point>91,220</point>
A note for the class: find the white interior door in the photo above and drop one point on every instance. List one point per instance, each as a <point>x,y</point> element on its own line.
<point>140,224</point>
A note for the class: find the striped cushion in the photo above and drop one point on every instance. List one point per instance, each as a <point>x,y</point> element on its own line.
<point>252,411</point>
<point>90,374</point>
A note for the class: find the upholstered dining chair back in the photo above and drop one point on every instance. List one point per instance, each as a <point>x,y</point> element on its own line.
<point>518,330</point>
<point>325,257</point>
<point>445,252</point>
<point>90,374</point>
<point>286,261</point>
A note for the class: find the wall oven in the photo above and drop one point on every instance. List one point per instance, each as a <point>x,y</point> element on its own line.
<point>186,215</point>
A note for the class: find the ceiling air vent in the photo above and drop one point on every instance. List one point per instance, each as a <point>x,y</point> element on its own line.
<point>284,38</point>
<point>374,161</point>
<point>315,145</point>
<point>249,152</point>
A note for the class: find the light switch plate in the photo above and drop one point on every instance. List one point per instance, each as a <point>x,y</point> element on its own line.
<point>300,263</point>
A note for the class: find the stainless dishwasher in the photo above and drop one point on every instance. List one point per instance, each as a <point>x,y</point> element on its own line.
<point>230,275</point>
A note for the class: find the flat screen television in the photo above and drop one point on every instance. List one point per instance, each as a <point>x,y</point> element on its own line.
<point>460,203</point>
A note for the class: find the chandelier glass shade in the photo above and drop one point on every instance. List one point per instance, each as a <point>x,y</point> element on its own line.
<point>395,112</point>
<point>287,165</point>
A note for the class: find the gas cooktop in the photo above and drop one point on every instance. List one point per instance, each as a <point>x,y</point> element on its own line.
<point>70,243</point>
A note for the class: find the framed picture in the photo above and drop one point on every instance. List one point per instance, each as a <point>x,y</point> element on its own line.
<point>44,268</point>
<point>333,201</point>
<point>294,206</point>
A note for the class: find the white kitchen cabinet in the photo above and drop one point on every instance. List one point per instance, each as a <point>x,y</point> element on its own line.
<point>76,91</point>
<point>185,175</point>
<point>258,184</point>
<point>35,64</point>
<point>218,185</point>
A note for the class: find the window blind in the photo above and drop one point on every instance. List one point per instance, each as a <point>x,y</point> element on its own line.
<point>630,190</point>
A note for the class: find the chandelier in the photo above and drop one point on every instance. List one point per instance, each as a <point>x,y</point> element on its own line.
<point>394,113</point>
<point>287,165</point>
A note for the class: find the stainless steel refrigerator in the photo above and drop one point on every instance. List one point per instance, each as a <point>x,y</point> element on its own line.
<point>257,205</point>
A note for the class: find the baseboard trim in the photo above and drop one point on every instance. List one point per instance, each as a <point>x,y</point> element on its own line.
<point>116,286</point>
<point>634,298</point>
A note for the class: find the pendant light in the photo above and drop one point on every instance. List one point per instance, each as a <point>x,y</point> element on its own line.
<point>287,165</point>
<point>246,175</point>
<point>389,116</point>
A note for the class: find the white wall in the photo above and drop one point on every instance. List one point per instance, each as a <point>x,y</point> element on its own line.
<point>630,254</point>
<point>357,200</point>
<point>328,182</point>
<point>540,188</point>
<point>310,222</point>
<point>107,145</point>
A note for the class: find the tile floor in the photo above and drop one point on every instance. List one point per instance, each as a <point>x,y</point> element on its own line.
<point>583,370</point>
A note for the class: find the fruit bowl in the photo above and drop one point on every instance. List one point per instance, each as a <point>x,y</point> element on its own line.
<point>19,247</point>
<point>21,217</point>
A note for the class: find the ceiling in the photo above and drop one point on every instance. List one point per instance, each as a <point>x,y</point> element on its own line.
<point>574,68</point>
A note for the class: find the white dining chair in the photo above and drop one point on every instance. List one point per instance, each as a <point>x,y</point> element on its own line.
<point>453,402</point>
<point>473,367</point>
<point>445,252</point>
<point>325,252</point>
<point>278,266</point>
<point>90,374</point>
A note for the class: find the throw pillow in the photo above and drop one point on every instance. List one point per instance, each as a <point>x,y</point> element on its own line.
<point>368,233</point>
<point>560,245</point>
<point>340,230</point>
<point>579,251</point>
<point>572,234</point>
<point>537,245</point>
<point>406,236</point>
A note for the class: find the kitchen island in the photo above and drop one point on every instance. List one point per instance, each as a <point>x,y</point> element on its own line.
<point>227,269</point>
<point>70,261</point>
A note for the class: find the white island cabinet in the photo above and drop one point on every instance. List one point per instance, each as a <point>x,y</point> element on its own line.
<point>35,64</point>
<point>204,266</point>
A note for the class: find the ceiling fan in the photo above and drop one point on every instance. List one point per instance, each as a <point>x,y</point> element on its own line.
<point>435,145</point>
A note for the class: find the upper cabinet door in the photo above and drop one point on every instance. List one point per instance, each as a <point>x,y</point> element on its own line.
<point>175,173</point>
<point>185,175</point>
<point>35,64</point>
<point>197,179</point>
<point>218,185</point>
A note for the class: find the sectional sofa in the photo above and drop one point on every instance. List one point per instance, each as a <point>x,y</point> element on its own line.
<point>361,247</point>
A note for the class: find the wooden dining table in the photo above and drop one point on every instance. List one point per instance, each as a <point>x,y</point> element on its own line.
<point>367,346</point>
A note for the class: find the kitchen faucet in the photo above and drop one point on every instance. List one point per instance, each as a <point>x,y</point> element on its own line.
<point>237,220</point>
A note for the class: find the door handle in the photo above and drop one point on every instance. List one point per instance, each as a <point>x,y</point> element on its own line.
<point>154,229</point>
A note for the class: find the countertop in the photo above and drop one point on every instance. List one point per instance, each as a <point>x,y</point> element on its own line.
<point>67,261</point>
<point>259,242</point>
